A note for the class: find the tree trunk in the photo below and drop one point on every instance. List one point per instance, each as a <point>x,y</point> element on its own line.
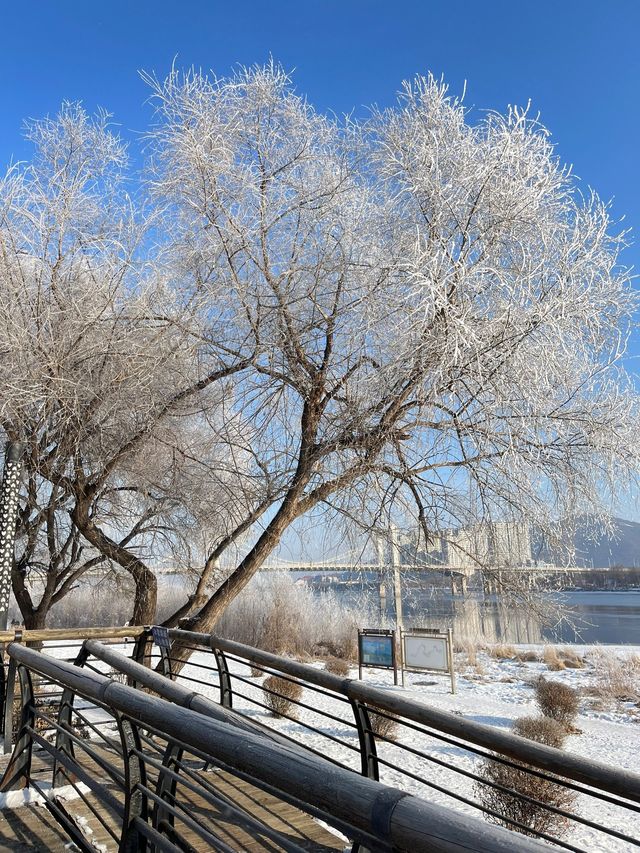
<point>146,584</point>
<point>205,620</point>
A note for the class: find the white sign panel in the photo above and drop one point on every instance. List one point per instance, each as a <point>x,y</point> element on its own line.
<point>423,652</point>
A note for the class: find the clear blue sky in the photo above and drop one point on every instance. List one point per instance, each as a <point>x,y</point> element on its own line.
<point>577,61</point>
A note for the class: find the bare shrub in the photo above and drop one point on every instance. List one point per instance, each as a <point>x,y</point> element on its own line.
<point>337,666</point>
<point>528,656</point>
<point>280,695</point>
<point>384,724</point>
<point>533,817</point>
<point>542,729</point>
<point>557,700</point>
<point>502,652</point>
<point>255,671</point>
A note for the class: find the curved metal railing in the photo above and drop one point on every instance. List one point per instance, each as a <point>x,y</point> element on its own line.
<point>151,782</point>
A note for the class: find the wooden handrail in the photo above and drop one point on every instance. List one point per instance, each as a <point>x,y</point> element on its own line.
<point>39,635</point>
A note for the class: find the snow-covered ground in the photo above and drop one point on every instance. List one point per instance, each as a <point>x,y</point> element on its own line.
<point>490,690</point>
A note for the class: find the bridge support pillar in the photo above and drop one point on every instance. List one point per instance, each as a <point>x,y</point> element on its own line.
<point>382,590</point>
<point>458,584</point>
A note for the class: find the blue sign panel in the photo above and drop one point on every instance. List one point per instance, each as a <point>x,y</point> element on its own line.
<point>376,650</point>
<point>161,637</point>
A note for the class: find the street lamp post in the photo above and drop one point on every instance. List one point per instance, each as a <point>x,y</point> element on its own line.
<point>9,494</point>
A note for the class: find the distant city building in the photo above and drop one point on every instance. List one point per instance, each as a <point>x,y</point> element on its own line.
<point>494,544</point>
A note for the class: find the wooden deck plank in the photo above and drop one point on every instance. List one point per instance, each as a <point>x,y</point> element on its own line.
<point>33,828</point>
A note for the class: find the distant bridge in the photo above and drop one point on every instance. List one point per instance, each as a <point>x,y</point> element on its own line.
<point>335,568</point>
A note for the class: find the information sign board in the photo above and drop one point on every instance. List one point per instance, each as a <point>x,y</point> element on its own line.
<point>377,648</point>
<point>428,651</point>
<point>376,651</point>
<point>425,652</point>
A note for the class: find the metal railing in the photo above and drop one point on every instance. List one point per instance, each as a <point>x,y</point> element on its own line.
<point>438,754</point>
<point>155,776</point>
<point>62,643</point>
<point>447,759</point>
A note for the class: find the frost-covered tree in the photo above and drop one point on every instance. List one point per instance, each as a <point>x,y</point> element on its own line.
<point>100,376</point>
<point>407,311</point>
<point>430,306</point>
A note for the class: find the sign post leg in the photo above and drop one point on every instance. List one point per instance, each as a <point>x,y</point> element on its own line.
<point>452,671</point>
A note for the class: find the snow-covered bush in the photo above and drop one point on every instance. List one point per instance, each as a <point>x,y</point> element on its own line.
<point>384,724</point>
<point>542,729</point>
<point>526,810</point>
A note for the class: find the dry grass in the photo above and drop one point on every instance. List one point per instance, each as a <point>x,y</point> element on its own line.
<point>479,669</point>
<point>616,679</point>
<point>337,666</point>
<point>275,614</point>
<point>552,659</point>
<point>558,701</point>
<point>472,655</point>
<point>468,651</point>
<point>571,658</point>
<point>280,694</point>
<point>501,651</point>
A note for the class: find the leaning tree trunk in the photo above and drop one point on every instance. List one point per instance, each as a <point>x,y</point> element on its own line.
<point>207,617</point>
<point>146,583</point>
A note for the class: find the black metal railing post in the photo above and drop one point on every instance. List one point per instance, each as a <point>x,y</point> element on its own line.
<point>135,802</point>
<point>368,753</point>
<point>64,741</point>
<point>224,676</point>
<point>18,772</point>
<point>163,819</point>
<point>7,711</point>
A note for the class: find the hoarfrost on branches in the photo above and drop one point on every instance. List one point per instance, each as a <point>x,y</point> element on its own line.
<point>403,312</point>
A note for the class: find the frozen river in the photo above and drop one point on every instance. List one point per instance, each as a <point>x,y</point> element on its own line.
<point>590,617</point>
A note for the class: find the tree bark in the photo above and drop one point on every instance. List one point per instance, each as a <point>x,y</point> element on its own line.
<point>146,584</point>
<point>207,617</point>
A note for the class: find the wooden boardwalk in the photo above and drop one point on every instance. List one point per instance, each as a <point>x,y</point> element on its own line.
<point>33,828</point>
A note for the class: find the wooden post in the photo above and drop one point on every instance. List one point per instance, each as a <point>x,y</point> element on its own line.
<point>452,671</point>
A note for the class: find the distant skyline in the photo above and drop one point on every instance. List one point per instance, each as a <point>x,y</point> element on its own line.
<point>577,62</point>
